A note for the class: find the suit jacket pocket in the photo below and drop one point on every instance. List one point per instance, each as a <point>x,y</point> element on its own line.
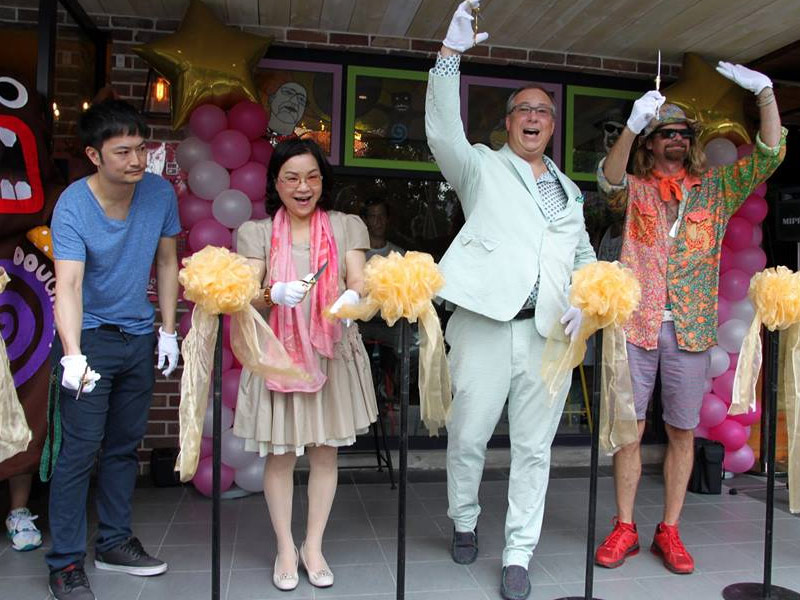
<point>475,240</point>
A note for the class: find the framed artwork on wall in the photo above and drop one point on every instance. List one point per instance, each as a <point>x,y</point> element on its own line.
<point>385,119</point>
<point>483,103</point>
<point>302,99</point>
<point>594,119</point>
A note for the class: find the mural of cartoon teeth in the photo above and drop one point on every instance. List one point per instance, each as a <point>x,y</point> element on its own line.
<point>28,191</point>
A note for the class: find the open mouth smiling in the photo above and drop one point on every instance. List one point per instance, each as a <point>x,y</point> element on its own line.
<point>20,181</point>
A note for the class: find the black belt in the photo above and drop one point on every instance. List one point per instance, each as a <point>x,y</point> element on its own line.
<point>110,327</point>
<point>525,313</point>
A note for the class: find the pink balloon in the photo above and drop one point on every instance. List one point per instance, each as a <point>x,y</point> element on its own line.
<point>226,331</point>
<point>259,211</point>
<point>722,387</point>
<point>203,477</point>
<point>758,236</point>
<point>740,460</point>
<point>230,387</point>
<point>744,150</point>
<point>185,324</point>
<point>701,431</point>
<point>188,304</point>
<point>260,151</point>
<point>734,361</point>
<point>206,447</point>
<point>726,259</point>
<point>754,209</point>
<point>761,189</point>
<point>739,233</point>
<point>712,411</point>
<point>209,232</point>
<point>192,209</point>
<point>230,148</point>
<point>733,284</point>
<point>227,359</point>
<point>733,435</point>
<point>723,310</point>
<point>207,121</point>
<point>249,118</point>
<point>250,179</point>
<point>750,417</point>
<point>750,260</point>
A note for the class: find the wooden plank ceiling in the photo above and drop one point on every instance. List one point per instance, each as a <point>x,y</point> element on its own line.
<point>736,30</point>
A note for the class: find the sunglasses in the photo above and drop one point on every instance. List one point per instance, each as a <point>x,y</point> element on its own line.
<point>670,134</point>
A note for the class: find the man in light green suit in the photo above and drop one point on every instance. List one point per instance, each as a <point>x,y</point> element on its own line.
<point>508,272</point>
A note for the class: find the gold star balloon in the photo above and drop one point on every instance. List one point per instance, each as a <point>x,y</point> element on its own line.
<point>714,101</point>
<point>205,61</point>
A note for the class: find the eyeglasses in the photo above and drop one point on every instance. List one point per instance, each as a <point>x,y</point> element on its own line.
<point>293,181</point>
<point>670,134</point>
<point>540,110</point>
<point>613,127</point>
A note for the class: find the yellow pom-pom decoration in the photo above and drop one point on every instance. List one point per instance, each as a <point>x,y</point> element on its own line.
<point>775,293</point>
<point>218,280</point>
<point>606,292</point>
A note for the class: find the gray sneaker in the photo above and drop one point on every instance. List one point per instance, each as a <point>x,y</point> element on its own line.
<point>129,557</point>
<point>464,547</point>
<point>515,584</point>
<point>70,583</point>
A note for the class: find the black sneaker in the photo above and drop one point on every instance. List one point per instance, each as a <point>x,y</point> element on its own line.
<point>464,547</point>
<point>70,583</point>
<point>515,584</point>
<point>129,557</point>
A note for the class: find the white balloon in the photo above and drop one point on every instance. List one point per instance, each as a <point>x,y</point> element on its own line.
<point>190,152</point>
<point>743,310</point>
<point>208,421</point>
<point>730,335</point>
<point>207,179</point>
<point>720,151</point>
<point>251,476</point>
<point>708,384</point>
<point>233,453</point>
<point>232,208</point>
<point>718,363</point>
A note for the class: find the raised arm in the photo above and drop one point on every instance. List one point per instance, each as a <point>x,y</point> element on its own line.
<point>761,85</point>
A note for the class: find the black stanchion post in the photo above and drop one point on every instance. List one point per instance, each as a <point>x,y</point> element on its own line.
<point>217,468</point>
<point>765,590</point>
<point>405,382</point>
<point>594,462</point>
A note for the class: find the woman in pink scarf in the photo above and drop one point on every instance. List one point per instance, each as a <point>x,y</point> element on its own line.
<point>286,419</point>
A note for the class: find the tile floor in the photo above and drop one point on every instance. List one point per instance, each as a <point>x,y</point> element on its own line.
<point>725,534</point>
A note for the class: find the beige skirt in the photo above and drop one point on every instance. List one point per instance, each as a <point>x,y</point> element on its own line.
<point>277,423</point>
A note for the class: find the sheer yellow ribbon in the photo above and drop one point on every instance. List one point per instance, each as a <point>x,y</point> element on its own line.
<point>402,287</point>
<point>775,293</point>
<point>14,431</point>
<point>220,282</point>
<point>607,294</point>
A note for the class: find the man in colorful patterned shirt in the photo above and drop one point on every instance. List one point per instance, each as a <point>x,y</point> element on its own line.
<point>676,211</point>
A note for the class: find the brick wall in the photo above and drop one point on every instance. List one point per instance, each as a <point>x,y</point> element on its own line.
<point>129,76</point>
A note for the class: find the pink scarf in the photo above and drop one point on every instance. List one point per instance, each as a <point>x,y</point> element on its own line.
<point>289,324</point>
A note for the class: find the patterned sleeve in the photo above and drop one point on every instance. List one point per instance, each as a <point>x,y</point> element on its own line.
<point>447,66</point>
<point>616,195</point>
<point>250,240</point>
<point>355,233</point>
<point>738,180</point>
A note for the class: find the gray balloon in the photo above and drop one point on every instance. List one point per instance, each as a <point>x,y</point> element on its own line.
<point>190,152</point>
<point>207,179</point>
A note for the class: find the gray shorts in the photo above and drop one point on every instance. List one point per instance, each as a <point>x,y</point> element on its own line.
<point>683,377</point>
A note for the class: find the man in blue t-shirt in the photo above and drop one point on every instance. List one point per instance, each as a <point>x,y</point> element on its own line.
<point>107,230</point>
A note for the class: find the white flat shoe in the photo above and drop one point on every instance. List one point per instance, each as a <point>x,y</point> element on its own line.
<point>321,578</point>
<point>286,581</point>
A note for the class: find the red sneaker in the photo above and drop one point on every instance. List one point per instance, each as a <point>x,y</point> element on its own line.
<point>668,545</point>
<point>623,541</point>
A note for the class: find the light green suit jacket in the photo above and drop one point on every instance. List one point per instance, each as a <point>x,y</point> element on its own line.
<point>506,243</point>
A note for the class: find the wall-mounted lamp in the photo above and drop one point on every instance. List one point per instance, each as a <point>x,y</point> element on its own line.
<point>156,96</point>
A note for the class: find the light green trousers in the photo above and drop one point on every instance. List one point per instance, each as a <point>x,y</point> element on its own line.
<point>489,362</point>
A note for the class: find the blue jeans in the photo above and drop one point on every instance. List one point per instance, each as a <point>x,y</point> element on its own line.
<point>106,425</point>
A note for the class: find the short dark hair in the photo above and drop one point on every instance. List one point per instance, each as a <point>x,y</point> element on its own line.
<point>108,119</point>
<point>374,201</point>
<point>289,149</point>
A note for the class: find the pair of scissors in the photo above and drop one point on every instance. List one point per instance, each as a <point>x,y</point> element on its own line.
<point>311,281</point>
<point>475,12</point>
<point>658,82</point>
<point>83,382</point>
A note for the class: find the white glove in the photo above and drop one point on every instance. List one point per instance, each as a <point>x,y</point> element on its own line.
<point>73,377</point>
<point>572,322</point>
<point>289,293</point>
<point>744,77</point>
<point>460,36</point>
<point>645,110</point>
<point>167,351</point>
<point>347,298</point>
